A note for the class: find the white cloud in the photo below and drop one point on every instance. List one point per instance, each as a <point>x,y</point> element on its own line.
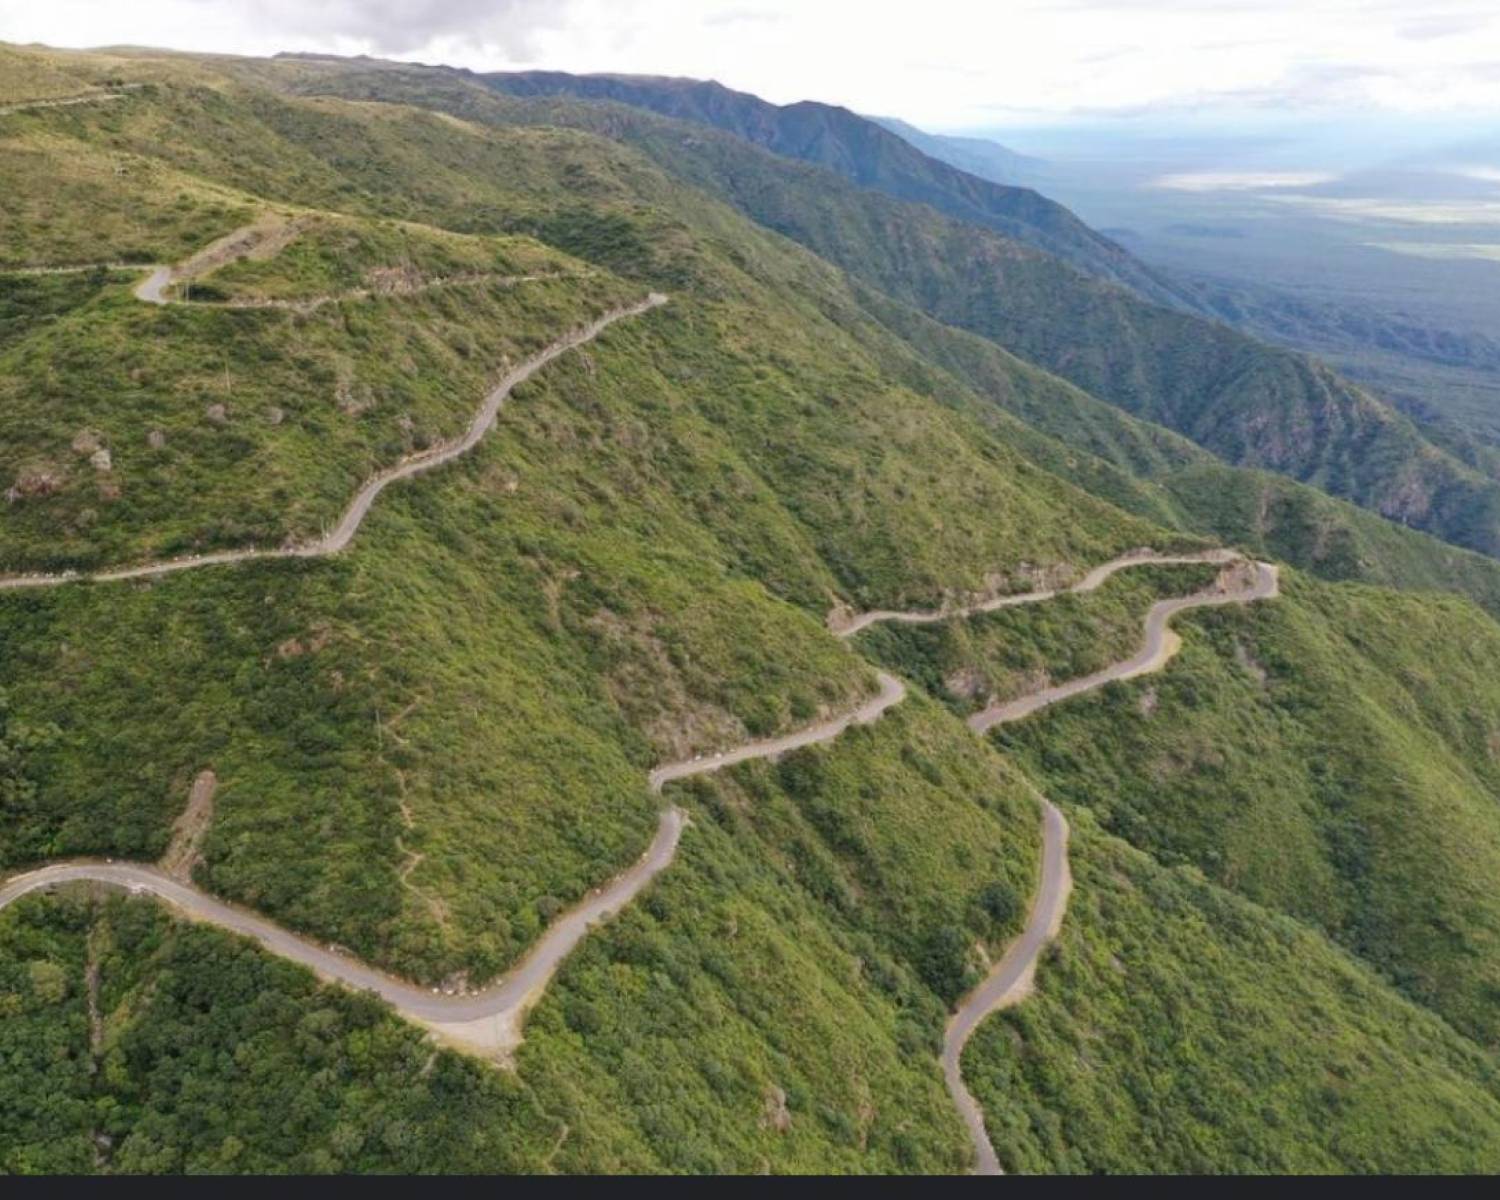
<point>943,63</point>
<point>1402,212</point>
<point>1486,251</point>
<point>1240,181</point>
<point>403,26</point>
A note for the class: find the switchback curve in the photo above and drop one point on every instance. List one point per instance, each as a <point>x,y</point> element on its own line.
<point>847,625</point>
<point>489,1021</point>
<point>1009,981</point>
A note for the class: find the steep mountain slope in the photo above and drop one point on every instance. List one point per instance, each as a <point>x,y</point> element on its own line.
<point>1333,757</point>
<point>1248,403</point>
<point>1177,1028</point>
<point>1146,469</point>
<point>859,150</point>
<point>974,156</point>
<point>1278,409</point>
<point>637,565</point>
<point>429,744</point>
<point>1318,760</point>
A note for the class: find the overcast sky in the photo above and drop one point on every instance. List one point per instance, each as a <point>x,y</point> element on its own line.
<point>942,63</point>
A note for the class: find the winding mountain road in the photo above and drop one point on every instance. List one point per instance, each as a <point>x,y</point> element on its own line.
<point>892,691</point>
<point>348,524</point>
<point>1261,582</point>
<point>1009,981</point>
<point>489,1021</point>
<point>847,625</point>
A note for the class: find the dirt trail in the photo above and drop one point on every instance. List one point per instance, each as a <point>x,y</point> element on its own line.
<point>487,1022</point>
<point>343,532</point>
<point>190,828</point>
<point>847,625</point>
<point>1009,981</point>
<point>63,101</point>
<point>153,288</point>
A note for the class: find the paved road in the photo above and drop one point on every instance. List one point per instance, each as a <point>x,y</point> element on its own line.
<point>892,691</point>
<point>1009,980</point>
<point>487,1021</point>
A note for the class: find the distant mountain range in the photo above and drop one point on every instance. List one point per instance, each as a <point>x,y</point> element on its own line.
<point>1020,269</point>
<point>978,156</point>
<point>865,153</point>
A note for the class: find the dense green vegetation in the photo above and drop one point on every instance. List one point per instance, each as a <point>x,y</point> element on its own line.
<point>206,1056</point>
<point>27,301</point>
<point>969,662</point>
<point>429,744</point>
<point>808,940</point>
<point>1333,756</point>
<point>1246,402</point>
<point>228,427</point>
<point>327,255</point>
<point>772,1003</point>
<point>634,566</point>
<point>538,623</point>
<point>1146,469</point>
<point>1179,1028</point>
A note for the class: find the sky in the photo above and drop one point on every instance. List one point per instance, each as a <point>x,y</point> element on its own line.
<point>944,64</point>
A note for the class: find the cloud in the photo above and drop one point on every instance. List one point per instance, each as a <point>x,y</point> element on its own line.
<point>1240,181</point>
<point>1410,212</point>
<point>401,26</point>
<point>1444,26</point>
<point>1487,251</point>
<point>945,63</point>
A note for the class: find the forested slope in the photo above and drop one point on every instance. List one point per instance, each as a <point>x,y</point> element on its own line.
<point>429,744</point>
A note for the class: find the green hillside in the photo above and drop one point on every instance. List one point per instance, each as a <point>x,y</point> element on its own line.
<point>633,566</point>
<point>1332,757</point>
<point>1178,1029</point>
<point>430,744</point>
<point>969,662</point>
<point>1247,403</point>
